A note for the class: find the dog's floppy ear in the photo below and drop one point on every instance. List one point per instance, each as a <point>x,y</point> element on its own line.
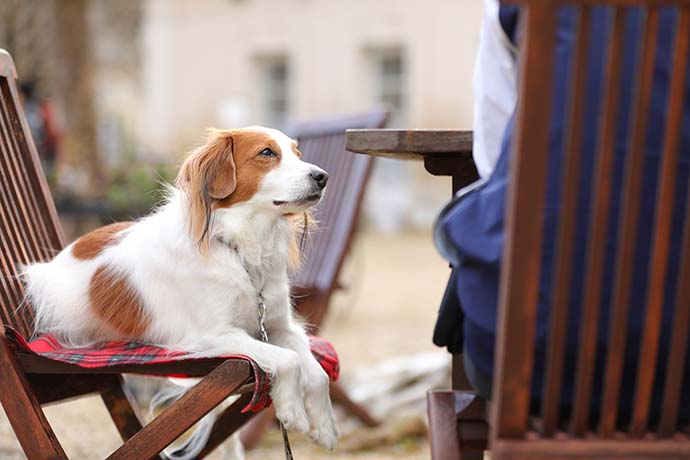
<point>220,172</point>
<point>210,169</point>
<point>206,176</point>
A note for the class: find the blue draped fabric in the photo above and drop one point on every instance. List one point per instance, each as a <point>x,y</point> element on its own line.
<point>475,226</point>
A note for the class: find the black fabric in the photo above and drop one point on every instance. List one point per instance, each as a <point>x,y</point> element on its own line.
<point>449,324</point>
<point>508,16</point>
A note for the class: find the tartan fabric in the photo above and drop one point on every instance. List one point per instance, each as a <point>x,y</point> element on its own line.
<point>121,353</point>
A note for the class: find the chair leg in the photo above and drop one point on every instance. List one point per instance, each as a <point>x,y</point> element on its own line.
<point>123,409</point>
<point>184,413</point>
<point>24,411</point>
<point>228,423</point>
<point>457,425</point>
<point>340,396</point>
<point>252,433</point>
<point>443,426</point>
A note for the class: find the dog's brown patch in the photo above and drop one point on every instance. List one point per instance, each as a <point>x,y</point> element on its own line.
<point>251,167</point>
<point>93,243</point>
<point>117,303</point>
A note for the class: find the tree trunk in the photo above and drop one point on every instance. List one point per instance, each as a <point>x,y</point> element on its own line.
<point>76,86</point>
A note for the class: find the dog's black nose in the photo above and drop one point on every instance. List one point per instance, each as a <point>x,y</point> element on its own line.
<point>320,176</point>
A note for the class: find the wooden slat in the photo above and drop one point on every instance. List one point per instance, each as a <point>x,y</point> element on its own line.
<point>17,195</point>
<point>524,227</point>
<point>20,162</point>
<point>658,263</point>
<point>601,200</point>
<point>14,250</point>
<point>123,409</point>
<point>34,170</point>
<point>28,222</point>
<point>188,410</point>
<point>681,318</point>
<point>600,449</point>
<point>9,257</point>
<point>24,411</point>
<point>230,421</point>
<point>9,199</point>
<point>679,338</point>
<point>563,267</point>
<point>627,230</point>
<point>53,388</point>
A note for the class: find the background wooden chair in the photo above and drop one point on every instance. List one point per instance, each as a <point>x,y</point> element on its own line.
<point>30,231</point>
<point>458,419</point>
<point>322,142</point>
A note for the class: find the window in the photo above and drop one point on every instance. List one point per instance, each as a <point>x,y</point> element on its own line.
<point>275,99</point>
<point>390,84</point>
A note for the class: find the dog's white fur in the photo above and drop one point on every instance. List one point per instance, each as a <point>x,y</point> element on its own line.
<point>206,302</point>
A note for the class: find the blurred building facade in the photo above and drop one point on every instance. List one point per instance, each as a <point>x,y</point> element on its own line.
<point>238,62</point>
<point>163,70</point>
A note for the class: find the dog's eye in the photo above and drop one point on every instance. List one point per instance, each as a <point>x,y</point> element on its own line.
<point>267,153</point>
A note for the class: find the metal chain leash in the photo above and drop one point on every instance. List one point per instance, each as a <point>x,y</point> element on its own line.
<point>264,338</point>
<point>261,306</point>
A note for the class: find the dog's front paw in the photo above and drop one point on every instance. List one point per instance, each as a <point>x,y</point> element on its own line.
<point>318,404</point>
<point>292,416</point>
<point>286,394</point>
<point>325,435</point>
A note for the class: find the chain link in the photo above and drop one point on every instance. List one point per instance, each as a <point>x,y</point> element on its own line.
<point>264,337</point>
<point>261,307</point>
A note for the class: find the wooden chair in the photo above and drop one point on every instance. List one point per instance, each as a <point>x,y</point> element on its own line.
<point>30,231</point>
<point>512,436</point>
<point>322,142</point>
<point>458,419</point>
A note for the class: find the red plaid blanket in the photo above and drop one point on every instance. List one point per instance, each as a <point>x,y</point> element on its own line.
<point>120,353</point>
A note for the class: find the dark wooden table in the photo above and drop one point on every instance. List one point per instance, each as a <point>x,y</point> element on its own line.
<point>444,153</point>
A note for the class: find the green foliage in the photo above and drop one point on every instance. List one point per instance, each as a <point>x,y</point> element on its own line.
<point>138,187</point>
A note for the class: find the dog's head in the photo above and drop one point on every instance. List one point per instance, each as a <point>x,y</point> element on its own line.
<point>254,166</point>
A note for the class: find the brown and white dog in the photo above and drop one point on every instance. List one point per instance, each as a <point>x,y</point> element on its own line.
<point>187,276</point>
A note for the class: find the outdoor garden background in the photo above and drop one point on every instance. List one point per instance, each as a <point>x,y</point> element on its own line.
<point>127,87</point>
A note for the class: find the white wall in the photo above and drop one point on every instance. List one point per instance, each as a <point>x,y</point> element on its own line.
<point>199,60</point>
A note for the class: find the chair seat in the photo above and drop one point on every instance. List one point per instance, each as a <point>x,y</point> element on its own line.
<point>45,355</point>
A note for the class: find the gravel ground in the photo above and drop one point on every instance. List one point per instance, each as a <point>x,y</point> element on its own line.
<point>393,285</point>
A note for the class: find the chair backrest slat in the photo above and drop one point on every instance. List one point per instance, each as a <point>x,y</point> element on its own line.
<point>15,190</point>
<point>32,169</point>
<point>627,227</point>
<point>681,320</point>
<point>323,143</point>
<point>29,227</point>
<point>521,258</point>
<point>679,339</point>
<point>562,277</point>
<point>601,202</point>
<point>39,234</point>
<point>658,262</point>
